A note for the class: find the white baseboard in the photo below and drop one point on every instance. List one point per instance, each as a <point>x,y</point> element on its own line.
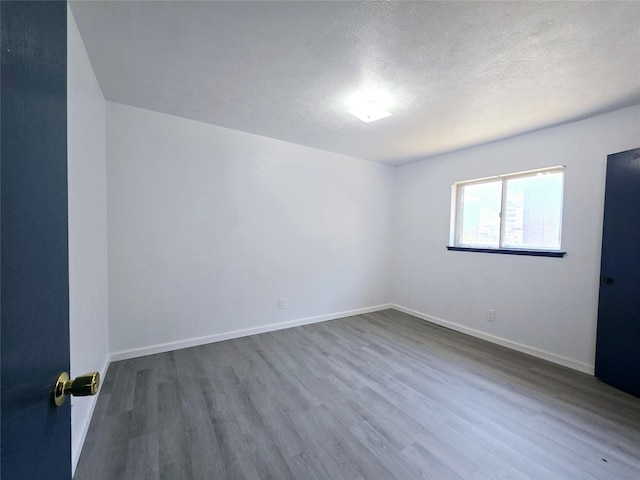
<point>536,352</point>
<point>92,406</point>
<point>219,337</point>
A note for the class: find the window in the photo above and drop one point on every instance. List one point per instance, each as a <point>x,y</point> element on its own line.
<point>519,213</point>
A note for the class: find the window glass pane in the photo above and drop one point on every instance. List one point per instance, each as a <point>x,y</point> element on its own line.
<point>533,211</point>
<point>480,214</point>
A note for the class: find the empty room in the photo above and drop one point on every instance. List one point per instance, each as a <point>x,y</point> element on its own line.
<point>320,240</point>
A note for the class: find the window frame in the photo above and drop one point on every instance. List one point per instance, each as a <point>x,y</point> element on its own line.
<point>455,228</point>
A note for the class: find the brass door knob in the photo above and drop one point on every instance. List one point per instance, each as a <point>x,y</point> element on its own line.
<point>81,386</point>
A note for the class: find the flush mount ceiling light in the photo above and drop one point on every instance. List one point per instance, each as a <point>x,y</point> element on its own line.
<point>369,105</point>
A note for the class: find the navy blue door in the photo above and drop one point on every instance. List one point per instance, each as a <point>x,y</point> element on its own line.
<point>618,340</point>
<point>36,436</point>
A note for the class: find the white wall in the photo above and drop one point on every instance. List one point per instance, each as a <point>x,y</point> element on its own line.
<point>545,306</point>
<point>88,299</point>
<point>209,226</point>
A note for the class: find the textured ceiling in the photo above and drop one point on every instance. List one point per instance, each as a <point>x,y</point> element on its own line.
<point>459,73</point>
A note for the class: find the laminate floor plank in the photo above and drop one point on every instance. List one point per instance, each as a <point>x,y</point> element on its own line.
<point>124,381</point>
<point>386,453</point>
<point>309,466</point>
<point>340,449</point>
<point>276,419</point>
<point>108,458</point>
<point>173,438</point>
<point>376,396</point>
<point>142,457</point>
<point>431,465</point>
<point>233,454</point>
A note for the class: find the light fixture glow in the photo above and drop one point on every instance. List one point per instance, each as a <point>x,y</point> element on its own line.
<point>369,105</point>
<point>369,113</point>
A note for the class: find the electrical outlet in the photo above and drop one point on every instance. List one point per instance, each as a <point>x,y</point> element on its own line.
<point>491,315</point>
<point>281,303</point>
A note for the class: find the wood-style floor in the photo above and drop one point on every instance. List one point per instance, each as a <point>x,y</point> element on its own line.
<point>376,396</point>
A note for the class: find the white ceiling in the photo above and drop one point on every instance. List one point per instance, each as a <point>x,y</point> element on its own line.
<point>459,73</point>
